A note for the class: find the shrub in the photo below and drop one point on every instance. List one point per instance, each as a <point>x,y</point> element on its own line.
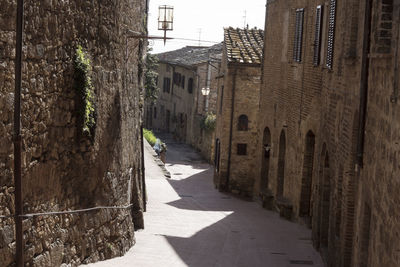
<point>150,137</point>
<point>208,122</point>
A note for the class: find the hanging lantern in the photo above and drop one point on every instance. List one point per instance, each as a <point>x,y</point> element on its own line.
<point>165,19</point>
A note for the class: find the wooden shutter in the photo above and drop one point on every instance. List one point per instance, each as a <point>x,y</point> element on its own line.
<point>317,37</point>
<point>331,34</point>
<point>298,35</point>
<point>385,26</point>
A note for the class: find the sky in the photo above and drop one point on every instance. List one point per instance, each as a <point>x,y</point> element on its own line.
<point>209,16</point>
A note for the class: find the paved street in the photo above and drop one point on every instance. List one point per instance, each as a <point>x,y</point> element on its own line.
<point>189,223</point>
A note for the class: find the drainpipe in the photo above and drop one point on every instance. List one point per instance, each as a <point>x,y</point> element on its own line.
<point>364,83</point>
<point>17,139</point>
<point>143,170</point>
<point>141,130</point>
<point>231,129</point>
<point>208,79</point>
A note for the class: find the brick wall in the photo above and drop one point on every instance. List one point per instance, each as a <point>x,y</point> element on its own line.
<point>244,81</point>
<point>299,98</point>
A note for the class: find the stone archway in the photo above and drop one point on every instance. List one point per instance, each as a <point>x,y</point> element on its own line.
<point>281,165</point>
<point>265,159</point>
<point>306,183</point>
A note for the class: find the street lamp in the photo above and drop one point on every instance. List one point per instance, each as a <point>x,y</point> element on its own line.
<point>205,91</point>
<point>165,19</point>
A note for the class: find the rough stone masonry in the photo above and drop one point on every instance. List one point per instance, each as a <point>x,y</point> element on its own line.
<point>64,169</point>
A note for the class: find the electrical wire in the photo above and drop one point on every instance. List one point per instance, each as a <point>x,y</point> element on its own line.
<point>193,40</point>
<point>31,215</point>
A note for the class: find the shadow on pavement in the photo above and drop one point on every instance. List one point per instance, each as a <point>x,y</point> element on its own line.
<point>239,233</point>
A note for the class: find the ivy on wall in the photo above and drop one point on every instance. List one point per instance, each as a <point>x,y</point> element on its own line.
<point>84,89</point>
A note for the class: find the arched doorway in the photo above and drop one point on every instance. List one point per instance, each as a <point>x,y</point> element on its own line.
<point>217,154</point>
<point>306,183</point>
<point>281,165</point>
<point>266,148</point>
<point>325,199</point>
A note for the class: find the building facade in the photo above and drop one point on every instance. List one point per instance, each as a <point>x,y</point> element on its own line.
<point>237,111</point>
<point>172,111</point>
<point>328,125</point>
<point>67,164</point>
<point>183,73</point>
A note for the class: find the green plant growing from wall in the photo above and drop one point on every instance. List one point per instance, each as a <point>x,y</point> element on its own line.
<point>208,122</point>
<point>150,137</point>
<point>150,77</point>
<point>84,89</point>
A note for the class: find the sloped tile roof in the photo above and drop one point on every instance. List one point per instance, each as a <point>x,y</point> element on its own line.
<point>192,55</point>
<point>244,45</point>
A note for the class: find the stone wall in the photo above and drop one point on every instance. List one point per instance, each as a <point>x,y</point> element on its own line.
<point>311,112</point>
<point>63,170</point>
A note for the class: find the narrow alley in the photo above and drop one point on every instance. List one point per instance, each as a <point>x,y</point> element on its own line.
<point>189,223</point>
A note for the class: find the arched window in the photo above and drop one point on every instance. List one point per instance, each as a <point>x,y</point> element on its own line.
<point>243,123</point>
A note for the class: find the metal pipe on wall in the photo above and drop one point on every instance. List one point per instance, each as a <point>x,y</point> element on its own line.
<point>17,139</point>
<point>364,82</point>
<point>231,130</point>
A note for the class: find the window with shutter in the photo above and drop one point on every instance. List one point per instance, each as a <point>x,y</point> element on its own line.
<point>331,34</point>
<point>385,25</point>
<point>190,85</point>
<point>298,35</point>
<point>317,37</point>
<point>167,85</point>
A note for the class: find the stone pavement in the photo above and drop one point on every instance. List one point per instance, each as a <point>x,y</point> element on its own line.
<point>189,223</point>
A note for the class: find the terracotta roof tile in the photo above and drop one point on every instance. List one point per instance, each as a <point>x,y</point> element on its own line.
<point>192,55</point>
<point>244,45</point>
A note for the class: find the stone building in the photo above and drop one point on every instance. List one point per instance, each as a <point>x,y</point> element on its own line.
<point>66,165</point>
<point>173,108</point>
<point>182,75</point>
<point>237,110</point>
<point>207,69</point>
<point>329,133</point>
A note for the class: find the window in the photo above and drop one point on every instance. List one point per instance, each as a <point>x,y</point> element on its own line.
<point>190,85</point>
<point>183,82</point>
<point>331,34</point>
<point>385,26</point>
<point>221,100</point>
<point>243,123</point>
<point>177,77</point>
<point>167,85</point>
<point>317,37</point>
<point>155,113</point>
<point>298,35</point>
<point>242,149</point>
